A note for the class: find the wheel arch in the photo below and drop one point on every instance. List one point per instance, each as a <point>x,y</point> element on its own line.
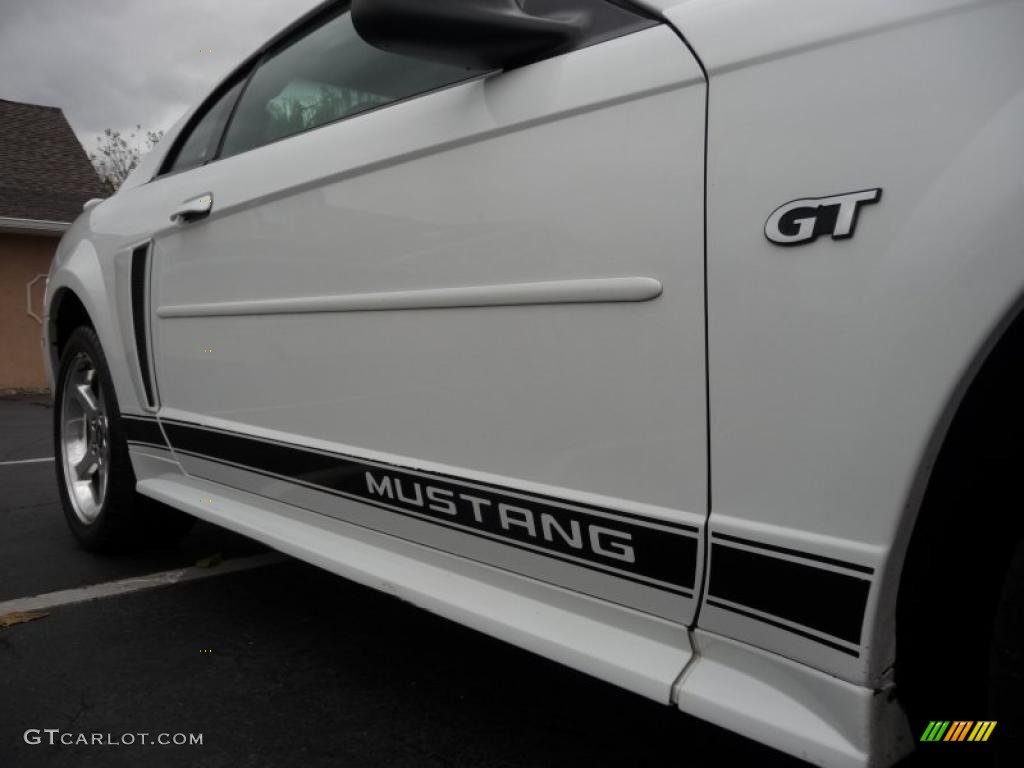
<point>959,537</point>
<point>83,289</point>
<point>67,312</point>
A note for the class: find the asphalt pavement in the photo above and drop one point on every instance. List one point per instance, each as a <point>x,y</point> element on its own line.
<point>282,665</point>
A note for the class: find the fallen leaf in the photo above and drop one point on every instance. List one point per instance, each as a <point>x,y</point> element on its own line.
<point>211,561</point>
<point>20,617</point>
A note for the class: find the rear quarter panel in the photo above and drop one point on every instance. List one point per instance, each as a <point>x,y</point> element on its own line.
<point>834,367</point>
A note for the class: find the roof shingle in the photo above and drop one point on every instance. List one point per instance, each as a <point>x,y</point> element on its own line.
<point>44,172</point>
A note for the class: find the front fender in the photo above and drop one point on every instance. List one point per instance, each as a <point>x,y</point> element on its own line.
<point>80,269</point>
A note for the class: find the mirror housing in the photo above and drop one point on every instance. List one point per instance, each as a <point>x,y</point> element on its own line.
<point>474,34</point>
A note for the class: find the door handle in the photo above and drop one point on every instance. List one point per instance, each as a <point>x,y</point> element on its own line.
<point>193,209</point>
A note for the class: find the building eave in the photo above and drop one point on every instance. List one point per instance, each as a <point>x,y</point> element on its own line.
<point>32,226</point>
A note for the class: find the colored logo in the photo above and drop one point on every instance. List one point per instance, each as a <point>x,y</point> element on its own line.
<point>958,730</point>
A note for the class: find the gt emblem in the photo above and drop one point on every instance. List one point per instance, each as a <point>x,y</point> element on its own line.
<point>801,221</point>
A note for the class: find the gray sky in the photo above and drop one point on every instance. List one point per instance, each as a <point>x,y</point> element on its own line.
<point>118,63</point>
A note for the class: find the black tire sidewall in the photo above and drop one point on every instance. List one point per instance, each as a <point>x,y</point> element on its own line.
<point>1006,666</point>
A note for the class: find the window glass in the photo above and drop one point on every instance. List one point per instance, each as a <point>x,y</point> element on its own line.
<point>201,144</point>
<point>326,75</point>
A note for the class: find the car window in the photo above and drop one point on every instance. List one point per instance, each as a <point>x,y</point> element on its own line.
<point>327,74</point>
<point>201,144</point>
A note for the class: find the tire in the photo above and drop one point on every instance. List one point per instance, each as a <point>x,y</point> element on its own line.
<point>95,478</point>
<point>959,625</point>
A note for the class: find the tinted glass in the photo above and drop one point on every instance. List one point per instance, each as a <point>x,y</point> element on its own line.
<point>201,144</point>
<point>328,74</point>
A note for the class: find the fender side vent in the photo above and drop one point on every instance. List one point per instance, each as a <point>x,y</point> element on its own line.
<point>139,285</point>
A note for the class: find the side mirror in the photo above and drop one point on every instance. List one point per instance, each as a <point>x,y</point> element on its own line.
<point>474,34</point>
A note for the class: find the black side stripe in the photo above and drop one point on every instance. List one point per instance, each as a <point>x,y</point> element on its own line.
<point>143,444</point>
<point>169,423</point>
<point>795,552</point>
<point>140,260</point>
<point>780,625</point>
<point>644,550</point>
<point>800,592</point>
<point>398,510</point>
<point>819,599</point>
<point>139,429</point>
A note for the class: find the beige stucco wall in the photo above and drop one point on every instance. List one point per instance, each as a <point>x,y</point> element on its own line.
<point>22,257</point>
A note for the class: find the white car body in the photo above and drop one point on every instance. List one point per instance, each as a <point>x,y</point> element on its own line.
<point>555,296</point>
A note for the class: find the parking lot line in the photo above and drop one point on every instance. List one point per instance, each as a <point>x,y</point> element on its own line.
<point>26,461</point>
<point>136,584</point>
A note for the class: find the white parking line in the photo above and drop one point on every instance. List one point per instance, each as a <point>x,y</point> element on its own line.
<point>25,461</point>
<point>137,584</point>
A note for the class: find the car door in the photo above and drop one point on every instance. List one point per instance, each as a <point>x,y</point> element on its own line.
<point>464,309</point>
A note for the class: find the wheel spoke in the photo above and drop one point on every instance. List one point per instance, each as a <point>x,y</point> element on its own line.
<point>88,465</point>
<point>84,446</point>
<point>83,393</point>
